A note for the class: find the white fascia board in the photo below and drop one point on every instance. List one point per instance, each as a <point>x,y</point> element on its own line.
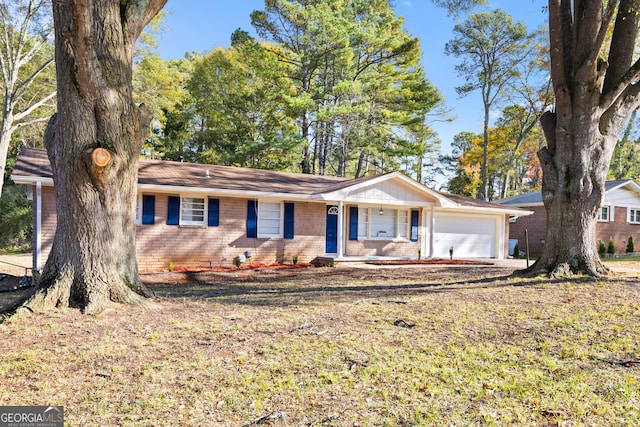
<point>629,183</point>
<point>176,189</point>
<point>18,179</point>
<point>522,205</point>
<point>481,210</point>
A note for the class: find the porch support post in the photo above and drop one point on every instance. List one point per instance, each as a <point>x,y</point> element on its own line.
<point>425,231</point>
<point>341,231</point>
<point>37,262</point>
<point>432,213</point>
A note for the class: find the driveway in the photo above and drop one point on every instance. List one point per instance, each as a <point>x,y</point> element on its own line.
<point>14,265</point>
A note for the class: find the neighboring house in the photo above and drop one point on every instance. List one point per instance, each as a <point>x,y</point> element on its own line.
<point>195,214</point>
<point>618,219</point>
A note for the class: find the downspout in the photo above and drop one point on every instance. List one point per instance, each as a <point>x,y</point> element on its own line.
<point>424,233</point>
<point>431,230</point>
<point>38,249</point>
<point>341,233</point>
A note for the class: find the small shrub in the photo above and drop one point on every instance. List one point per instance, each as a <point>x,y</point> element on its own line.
<point>295,259</point>
<point>611,248</point>
<point>516,251</point>
<point>237,262</point>
<point>630,245</point>
<point>170,266</point>
<point>602,248</point>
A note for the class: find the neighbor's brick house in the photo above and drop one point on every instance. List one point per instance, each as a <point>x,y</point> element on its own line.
<point>619,217</point>
<point>195,214</point>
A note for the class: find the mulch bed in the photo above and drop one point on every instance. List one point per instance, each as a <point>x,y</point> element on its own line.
<point>257,267</point>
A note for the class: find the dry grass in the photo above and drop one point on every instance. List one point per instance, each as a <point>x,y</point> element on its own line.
<point>341,347</point>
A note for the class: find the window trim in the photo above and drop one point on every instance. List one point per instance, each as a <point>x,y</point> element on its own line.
<point>371,212</point>
<point>205,212</point>
<point>636,210</point>
<point>140,208</point>
<point>608,218</point>
<point>260,233</point>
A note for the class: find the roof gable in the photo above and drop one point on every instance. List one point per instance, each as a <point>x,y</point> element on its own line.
<point>393,188</point>
<point>623,193</point>
<point>619,193</point>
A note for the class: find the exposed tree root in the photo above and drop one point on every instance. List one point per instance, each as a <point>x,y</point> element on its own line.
<point>564,270</point>
<point>63,292</point>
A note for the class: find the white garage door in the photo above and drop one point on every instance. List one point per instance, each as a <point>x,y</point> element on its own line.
<point>470,237</point>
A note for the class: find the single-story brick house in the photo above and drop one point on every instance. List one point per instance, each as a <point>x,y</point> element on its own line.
<point>196,214</point>
<point>619,217</point>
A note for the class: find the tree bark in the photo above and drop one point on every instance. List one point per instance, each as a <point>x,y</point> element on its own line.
<point>594,100</point>
<point>92,263</point>
<point>572,192</point>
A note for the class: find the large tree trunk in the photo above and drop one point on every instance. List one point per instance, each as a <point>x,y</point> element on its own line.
<point>92,263</point>
<point>594,99</point>
<point>574,175</point>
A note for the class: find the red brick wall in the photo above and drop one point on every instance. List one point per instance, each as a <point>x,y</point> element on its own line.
<point>536,224</point>
<point>159,243</point>
<point>618,229</point>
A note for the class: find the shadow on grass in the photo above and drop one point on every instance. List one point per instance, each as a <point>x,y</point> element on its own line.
<point>340,285</point>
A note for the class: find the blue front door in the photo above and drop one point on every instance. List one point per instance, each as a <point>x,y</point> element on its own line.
<point>332,230</point>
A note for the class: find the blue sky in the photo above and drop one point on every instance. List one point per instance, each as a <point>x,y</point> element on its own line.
<point>201,25</point>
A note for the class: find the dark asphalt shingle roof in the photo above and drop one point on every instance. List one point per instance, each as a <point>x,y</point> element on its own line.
<point>35,163</point>
<point>535,197</point>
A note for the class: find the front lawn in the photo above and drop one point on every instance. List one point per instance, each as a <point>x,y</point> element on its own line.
<point>340,346</point>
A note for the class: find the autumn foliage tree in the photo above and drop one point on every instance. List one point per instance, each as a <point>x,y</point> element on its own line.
<point>594,75</point>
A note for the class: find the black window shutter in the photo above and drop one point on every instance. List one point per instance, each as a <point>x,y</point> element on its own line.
<point>252,218</point>
<point>173,211</point>
<point>213,219</point>
<point>148,209</point>
<point>414,226</point>
<point>353,223</point>
<point>288,221</point>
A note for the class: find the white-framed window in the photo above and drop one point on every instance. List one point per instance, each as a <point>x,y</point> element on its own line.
<point>363,223</point>
<point>192,211</point>
<point>381,223</point>
<point>139,209</point>
<point>634,215</point>
<point>403,224</point>
<point>604,213</point>
<point>270,219</point>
